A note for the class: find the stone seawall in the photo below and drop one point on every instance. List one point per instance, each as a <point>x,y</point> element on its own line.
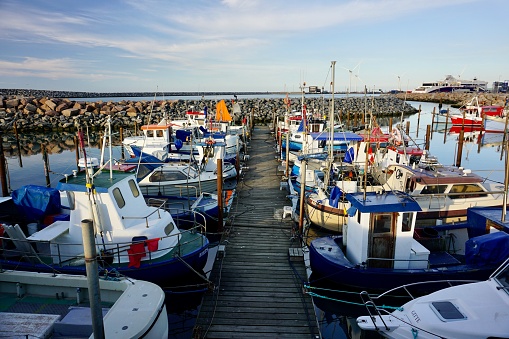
<point>49,114</point>
<point>456,99</point>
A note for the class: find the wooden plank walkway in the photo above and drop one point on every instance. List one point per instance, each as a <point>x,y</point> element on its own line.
<point>258,287</point>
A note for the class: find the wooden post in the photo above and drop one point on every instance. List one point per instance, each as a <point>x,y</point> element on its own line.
<point>76,144</point>
<point>287,155</point>
<point>122,150</point>
<point>460,147</point>
<point>46,165</point>
<point>418,121</point>
<point>3,171</point>
<point>17,144</point>
<point>303,170</point>
<point>220,194</point>
<point>433,119</point>
<point>237,161</point>
<point>407,131</point>
<point>446,122</point>
<point>479,141</point>
<point>251,121</point>
<point>390,125</point>
<point>428,132</point>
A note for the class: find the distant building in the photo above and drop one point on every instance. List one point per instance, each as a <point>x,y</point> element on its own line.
<point>501,86</point>
<point>314,89</point>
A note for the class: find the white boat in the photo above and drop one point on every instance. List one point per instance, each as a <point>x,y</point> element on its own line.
<point>52,305</point>
<point>133,238</point>
<point>469,311</point>
<point>443,192</point>
<point>177,179</point>
<point>451,84</point>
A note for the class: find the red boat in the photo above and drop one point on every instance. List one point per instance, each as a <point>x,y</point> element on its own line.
<point>472,113</point>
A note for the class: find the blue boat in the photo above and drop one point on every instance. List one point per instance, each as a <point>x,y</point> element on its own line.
<point>134,239</point>
<point>381,249</point>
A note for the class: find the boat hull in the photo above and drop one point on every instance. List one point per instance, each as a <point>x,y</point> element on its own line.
<point>328,260</point>
<point>187,258</point>
<point>326,217</point>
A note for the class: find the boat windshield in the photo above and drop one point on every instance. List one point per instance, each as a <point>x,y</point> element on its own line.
<point>503,278</point>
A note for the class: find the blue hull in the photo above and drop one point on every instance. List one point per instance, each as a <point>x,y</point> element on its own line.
<point>328,261</point>
<point>164,272</point>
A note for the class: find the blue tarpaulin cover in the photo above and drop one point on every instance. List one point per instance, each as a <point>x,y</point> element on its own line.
<point>487,249</point>
<point>37,201</point>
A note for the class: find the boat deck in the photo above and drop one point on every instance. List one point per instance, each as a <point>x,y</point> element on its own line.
<point>259,270</point>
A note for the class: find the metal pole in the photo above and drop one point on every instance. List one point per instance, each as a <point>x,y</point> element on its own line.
<point>220,194</point>
<point>3,172</point>
<point>94,292</point>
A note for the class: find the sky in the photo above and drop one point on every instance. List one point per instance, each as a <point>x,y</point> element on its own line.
<point>249,45</point>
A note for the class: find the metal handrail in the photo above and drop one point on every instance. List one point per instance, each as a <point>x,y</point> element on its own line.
<point>120,249</point>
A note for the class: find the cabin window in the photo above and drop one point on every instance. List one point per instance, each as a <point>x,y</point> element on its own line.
<point>462,191</point>
<point>169,228</point>
<point>297,136</point>
<point>381,222</point>
<point>433,189</point>
<point>150,134</point>
<point>134,188</point>
<point>406,222</point>
<point>118,197</point>
<point>160,176</point>
<point>159,133</point>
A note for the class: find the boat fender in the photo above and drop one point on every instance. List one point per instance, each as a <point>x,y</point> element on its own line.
<point>345,229</point>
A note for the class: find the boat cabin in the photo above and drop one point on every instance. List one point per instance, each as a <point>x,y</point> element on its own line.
<point>380,230</point>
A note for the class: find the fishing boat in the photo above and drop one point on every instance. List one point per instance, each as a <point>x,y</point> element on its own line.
<point>380,248</point>
<point>134,238</point>
<point>471,311</point>
<point>443,192</point>
<point>472,113</point>
<point>55,305</point>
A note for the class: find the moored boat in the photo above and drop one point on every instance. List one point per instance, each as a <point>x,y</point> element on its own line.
<point>472,311</point>
<point>137,240</point>
<point>381,249</point>
<point>55,305</point>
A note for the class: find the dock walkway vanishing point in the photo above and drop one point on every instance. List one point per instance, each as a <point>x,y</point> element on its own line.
<point>258,275</point>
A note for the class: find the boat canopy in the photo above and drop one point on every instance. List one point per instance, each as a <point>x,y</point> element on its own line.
<point>338,136</point>
<point>391,201</point>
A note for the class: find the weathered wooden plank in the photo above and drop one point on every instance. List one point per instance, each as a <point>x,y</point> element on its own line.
<point>258,289</point>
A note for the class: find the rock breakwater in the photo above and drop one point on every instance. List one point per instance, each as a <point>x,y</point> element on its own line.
<point>46,114</point>
<point>456,99</point>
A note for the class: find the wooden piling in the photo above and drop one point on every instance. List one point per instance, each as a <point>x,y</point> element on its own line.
<point>418,121</point>
<point>18,146</point>
<point>428,132</point>
<point>220,202</point>
<point>3,171</point>
<point>46,165</point>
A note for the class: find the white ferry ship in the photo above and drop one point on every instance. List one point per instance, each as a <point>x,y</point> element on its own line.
<point>451,84</point>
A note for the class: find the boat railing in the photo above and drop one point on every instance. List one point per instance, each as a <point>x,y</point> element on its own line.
<point>180,187</point>
<point>375,312</point>
<point>70,254</point>
<point>157,210</point>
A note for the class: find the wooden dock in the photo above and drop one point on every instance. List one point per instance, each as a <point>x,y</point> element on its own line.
<point>259,270</point>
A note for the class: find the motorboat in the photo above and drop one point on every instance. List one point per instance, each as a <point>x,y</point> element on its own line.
<point>56,305</point>
<point>473,112</point>
<point>381,248</point>
<point>132,237</point>
<point>471,311</point>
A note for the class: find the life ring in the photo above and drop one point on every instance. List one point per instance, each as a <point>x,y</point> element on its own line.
<point>210,141</point>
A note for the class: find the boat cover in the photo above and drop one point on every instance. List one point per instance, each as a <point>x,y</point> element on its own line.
<point>487,249</point>
<point>37,202</point>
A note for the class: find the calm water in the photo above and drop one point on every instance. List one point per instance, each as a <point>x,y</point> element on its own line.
<point>337,319</point>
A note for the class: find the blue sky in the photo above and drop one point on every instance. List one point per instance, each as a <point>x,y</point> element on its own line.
<point>249,45</point>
